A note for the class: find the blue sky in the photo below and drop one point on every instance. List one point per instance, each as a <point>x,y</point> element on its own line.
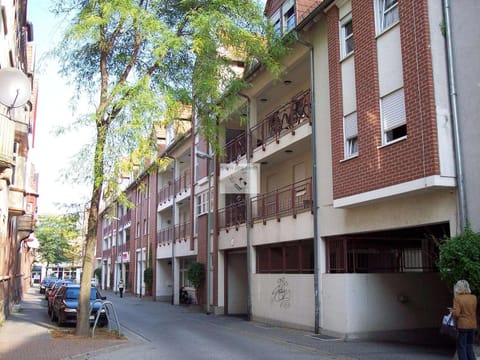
<point>51,153</point>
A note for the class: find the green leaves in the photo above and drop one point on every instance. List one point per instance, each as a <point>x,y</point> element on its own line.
<point>460,259</point>
<point>196,274</point>
<point>59,237</point>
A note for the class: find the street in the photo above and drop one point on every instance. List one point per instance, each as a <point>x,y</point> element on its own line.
<point>159,330</point>
<point>156,330</point>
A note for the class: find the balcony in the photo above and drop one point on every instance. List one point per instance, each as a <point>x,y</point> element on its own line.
<point>232,215</point>
<point>288,200</point>
<point>178,232</point>
<point>281,121</point>
<point>165,194</point>
<point>182,183</point>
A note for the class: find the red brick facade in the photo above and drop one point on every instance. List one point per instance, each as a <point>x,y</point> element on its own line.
<point>416,156</point>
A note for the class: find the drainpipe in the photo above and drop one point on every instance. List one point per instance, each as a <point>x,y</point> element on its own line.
<point>248,217</point>
<point>316,274</point>
<point>173,225</point>
<point>453,105</point>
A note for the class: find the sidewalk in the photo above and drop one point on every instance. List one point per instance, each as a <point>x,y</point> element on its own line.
<point>26,334</point>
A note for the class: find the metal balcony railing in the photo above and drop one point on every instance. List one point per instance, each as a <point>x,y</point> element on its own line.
<point>236,148</point>
<point>285,119</point>
<point>178,232</point>
<point>165,193</point>
<point>288,200</point>
<point>182,231</point>
<point>183,182</point>
<point>165,236</point>
<point>232,215</point>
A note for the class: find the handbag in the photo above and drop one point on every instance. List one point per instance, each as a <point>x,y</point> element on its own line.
<point>449,327</point>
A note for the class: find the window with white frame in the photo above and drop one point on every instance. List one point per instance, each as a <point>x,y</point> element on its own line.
<point>394,120</point>
<point>284,19</point>
<point>350,130</point>
<point>346,34</point>
<point>387,14</point>
<point>202,203</point>
<point>288,11</point>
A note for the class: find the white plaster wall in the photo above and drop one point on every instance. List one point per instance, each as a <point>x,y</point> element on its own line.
<point>301,133</point>
<point>360,303</point>
<point>442,101</point>
<point>465,32</point>
<point>287,229</point>
<point>233,239</point>
<point>297,309</point>
<point>283,171</point>
<point>423,208</point>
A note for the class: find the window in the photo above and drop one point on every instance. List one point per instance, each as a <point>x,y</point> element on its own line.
<point>202,203</point>
<point>284,19</point>
<point>350,130</point>
<point>380,255</point>
<point>288,10</point>
<point>412,249</point>
<point>394,122</point>
<point>387,14</point>
<point>346,33</point>
<point>290,257</point>
<point>277,24</point>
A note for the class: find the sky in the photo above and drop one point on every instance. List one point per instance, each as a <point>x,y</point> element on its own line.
<point>52,153</point>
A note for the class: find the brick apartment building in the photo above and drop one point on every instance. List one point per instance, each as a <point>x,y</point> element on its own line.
<point>18,178</point>
<point>347,179</point>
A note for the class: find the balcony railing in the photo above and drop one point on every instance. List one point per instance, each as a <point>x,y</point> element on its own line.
<point>232,215</point>
<point>182,231</point>
<point>236,148</point>
<point>165,236</point>
<point>165,193</point>
<point>183,182</point>
<point>288,200</point>
<point>287,118</point>
<point>178,232</point>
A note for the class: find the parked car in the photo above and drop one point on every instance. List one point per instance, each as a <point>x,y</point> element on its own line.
<point>48,287</point>
<point>65,305</point>
<point>45,282</point>
<point>53,291</point>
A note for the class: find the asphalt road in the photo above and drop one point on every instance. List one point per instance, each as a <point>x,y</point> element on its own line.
<point>158,330</point>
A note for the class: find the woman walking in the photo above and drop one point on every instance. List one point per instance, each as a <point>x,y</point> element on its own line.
<point>464,312</point>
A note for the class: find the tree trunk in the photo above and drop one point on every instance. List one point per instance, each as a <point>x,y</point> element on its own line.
<point>83,323</point>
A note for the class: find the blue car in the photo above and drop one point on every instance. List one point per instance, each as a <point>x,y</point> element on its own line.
<point>65,305</point>
<point>45,282</point>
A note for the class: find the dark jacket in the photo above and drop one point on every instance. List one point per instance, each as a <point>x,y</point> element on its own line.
<point>464,311</point>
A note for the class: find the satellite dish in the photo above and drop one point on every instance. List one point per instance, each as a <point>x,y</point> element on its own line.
<point>15,88</point>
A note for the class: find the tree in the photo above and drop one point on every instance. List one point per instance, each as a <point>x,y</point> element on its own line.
<point>196,273</point>
<point>460,259</point>
<point>140,61</point>
<point>57,235</point>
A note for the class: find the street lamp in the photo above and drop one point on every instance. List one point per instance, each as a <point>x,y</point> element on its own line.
<point>204,155</point>
<point>15,88</point>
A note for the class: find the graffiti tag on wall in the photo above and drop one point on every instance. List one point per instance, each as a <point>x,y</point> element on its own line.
<point>281,293</point>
